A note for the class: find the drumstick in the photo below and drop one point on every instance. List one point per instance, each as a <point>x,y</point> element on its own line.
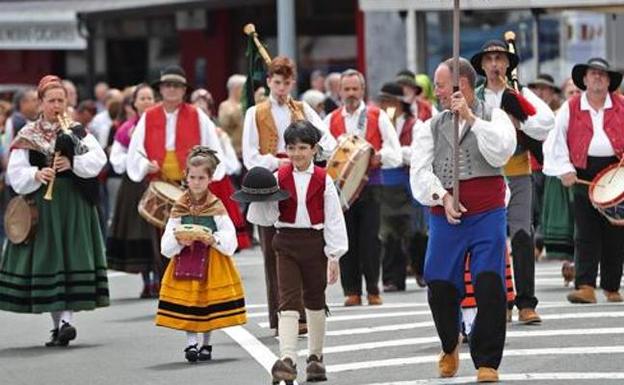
<point>617,169</point>
<point>588,183</point>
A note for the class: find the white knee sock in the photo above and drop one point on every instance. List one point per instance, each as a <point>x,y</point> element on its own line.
<point>288,327</point>
<point>67,316</point>
<point>316,331</point>
<point>206,338</point>
<point>56,319</point>
<point>191,338</point>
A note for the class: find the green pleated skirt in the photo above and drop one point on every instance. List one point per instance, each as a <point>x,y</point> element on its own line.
<point>558,220</point>
<point>64,266</point>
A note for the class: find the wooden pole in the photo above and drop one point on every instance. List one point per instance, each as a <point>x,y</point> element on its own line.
<point>456,116</point>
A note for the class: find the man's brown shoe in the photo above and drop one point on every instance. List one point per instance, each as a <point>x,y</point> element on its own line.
<point>529,316</point>
<point>567,271</point>
<point>353,300</point>
<point>487,374</point>
<point>303,328</point>
<point>448,364</point>
<point>284,370</point>
<point>613,296</point>
<point>584,294</point>
<point>374,299</point>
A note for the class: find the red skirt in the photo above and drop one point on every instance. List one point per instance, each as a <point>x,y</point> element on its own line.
<point>223,189</point>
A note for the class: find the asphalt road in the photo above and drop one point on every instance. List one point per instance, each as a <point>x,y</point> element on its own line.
<point>390,344</point>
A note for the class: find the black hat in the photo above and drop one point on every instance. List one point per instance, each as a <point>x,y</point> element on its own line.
<point>259,185</point>
<point>172,74</point>
<point>545,80</point>
<point>494,46</point>
<point>579,71</point>
<point>391,90</point>
<point>407,78</point>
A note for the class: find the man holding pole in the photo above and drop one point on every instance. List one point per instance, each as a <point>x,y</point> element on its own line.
<point>486,141</point>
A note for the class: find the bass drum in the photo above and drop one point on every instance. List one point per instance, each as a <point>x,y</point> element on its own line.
<point>348,167</point>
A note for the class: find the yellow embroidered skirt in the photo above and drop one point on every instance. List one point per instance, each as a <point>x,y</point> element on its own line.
<point>200,306</point>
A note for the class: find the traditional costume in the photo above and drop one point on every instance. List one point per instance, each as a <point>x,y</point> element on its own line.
<point>585,142</point>
<point>310,230</point>
<point>132,243</point>
<point>485,147</point>
<point>263,145</point>
<point>518,176</point>
<point>62,269</point>
<point>363,217</point>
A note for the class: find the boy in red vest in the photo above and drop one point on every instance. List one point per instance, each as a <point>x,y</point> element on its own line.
<point>311,237</point>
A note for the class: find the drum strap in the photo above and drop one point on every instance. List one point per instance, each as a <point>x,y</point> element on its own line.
<point>362,123</point>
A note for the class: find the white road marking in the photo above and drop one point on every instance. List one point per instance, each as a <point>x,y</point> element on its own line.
<point>436,340</point>
<point>354,317</point>
<point>466,356</point>
<point>558,376</point>
<point>256,349</point>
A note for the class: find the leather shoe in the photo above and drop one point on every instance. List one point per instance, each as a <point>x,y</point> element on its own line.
<point>420,281</point>
<point>303,328</point>
<point>315,369</point>
<point>487,375</point>
<point>374,299</point>
<point>284,370</point>
<point>353,300</point>
<point>584,294</point>
<point>567,271</point>
<point>448,363</point>
<point>613,296</point>
<point>529,316</point>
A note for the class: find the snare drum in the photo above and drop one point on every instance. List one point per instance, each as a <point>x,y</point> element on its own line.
<point>348,167</point>
<point>606,193</point>
<point>157,201</point>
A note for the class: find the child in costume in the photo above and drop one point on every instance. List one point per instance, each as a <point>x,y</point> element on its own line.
<point>201,289</point>
<point>311,236</point>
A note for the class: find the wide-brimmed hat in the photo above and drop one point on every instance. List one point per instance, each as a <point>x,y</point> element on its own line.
<point>172,74</point>
<point>494,46</point>
<point>545,80</point>
<point>394,92</point>
<point>408,78</point>
<point>579,71</point>
<point>259,185</point>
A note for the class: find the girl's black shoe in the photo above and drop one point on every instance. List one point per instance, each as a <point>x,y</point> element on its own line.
<point>66,333</point>
<point>53,339</point>
<point>190,353</point>
<point>205,353</point>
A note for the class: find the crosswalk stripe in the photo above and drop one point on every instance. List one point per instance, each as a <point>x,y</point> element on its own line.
<point>560,316</point>
<point>466,356</point>
<point>430,340</point>
<point>558,376</point>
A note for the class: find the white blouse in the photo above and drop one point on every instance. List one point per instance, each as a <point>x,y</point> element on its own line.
<point>225,237</point>
<point>118,157</point>
<point>21,173</point>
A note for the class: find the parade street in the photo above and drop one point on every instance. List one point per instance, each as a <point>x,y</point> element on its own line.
<point>390,344</point>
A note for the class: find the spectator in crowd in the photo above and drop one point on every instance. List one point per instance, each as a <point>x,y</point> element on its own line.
<point>316,100</point>
<point>332,91</point>
<point>231,113</point>
<point>85,112</point>
<point>317,81</point>
<point>72,94</point>
<point>100,90</point>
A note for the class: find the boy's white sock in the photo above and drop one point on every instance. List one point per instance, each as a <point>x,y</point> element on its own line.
<point>316,331</point>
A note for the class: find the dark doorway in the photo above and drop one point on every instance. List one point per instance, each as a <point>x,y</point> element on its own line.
<point>126,62</point>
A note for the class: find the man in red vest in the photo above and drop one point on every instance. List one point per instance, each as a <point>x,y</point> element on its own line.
<point>588,137</point>
<point>369,122</point>
<point>166,132</point>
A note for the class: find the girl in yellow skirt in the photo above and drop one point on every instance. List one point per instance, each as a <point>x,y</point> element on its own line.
<point>201,289</point>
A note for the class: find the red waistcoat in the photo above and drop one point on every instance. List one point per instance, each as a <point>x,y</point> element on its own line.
<point>373,135</point>
<point>187,132</point>
<point>406,133</point>
<point>424,110</point>
<point>581,130</point>
<point>315,196</point>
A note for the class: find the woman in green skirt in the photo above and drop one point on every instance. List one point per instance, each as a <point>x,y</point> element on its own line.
<point>62,267</point>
